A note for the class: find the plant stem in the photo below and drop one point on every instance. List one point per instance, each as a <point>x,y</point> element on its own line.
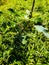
<point>33,3</point>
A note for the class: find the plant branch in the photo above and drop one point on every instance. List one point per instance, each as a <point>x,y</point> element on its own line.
<point>33,3</point>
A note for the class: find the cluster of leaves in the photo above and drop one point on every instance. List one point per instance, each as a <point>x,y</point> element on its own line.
<point>20,43</point>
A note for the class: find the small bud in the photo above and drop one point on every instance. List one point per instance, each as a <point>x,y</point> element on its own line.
<point>28,12</point>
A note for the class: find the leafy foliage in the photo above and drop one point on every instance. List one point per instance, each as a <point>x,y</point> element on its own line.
<point>20,43</point>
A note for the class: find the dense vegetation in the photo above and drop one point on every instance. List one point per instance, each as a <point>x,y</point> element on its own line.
<point>20,42</point>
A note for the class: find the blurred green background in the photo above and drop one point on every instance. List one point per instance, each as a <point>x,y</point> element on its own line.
<point>20,42</point>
